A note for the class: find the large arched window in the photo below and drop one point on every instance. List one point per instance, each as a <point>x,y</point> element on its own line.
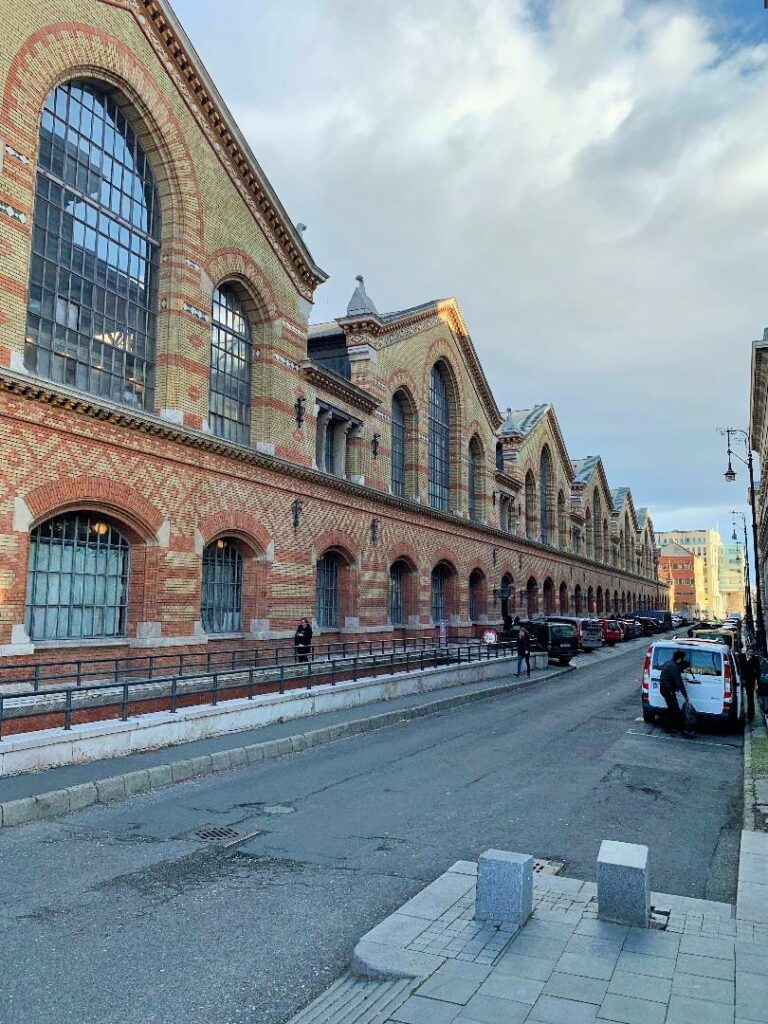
<point>229,413</point>
<point>222,590</point>
<point>399,421</point>
<point>439,440</point>
<point>545,488</point>
<point>562,522</point>
<point>95,249</point>
<point>597,527</point>
<point>77,584</point>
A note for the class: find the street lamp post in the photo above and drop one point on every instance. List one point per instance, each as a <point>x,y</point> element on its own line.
<point>747,587</point>
<point>730,476</point>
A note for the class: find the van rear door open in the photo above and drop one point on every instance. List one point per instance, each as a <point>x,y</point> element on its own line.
<point>704,680</point>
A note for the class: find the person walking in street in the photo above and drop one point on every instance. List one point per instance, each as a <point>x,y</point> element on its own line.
<point>302,640</point>
<point>670,684</point>
<point>523,650</point>
<point>750,677</point>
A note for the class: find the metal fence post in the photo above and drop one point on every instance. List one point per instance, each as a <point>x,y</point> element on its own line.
<point>124,714</point>
<point>215,689</point>
<point>250,684</point>
<point>174,682</point>
<point>354,670</point>
<point>282,679</point>
<point>68,708</point>
<point>37,677</point>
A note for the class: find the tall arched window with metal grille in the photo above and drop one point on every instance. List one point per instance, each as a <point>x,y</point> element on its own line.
<point>545,487</point>
<point>230,384</point>
<point>222,590</point>
<point>439,440</point>
<point>77,582</point>
<point>473,479</point>
<point>439,586</point>
<point>399,421</point>
<point>91,316</point>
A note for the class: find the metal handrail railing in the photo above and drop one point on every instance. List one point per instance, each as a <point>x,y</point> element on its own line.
<point>219,683</point>
<point>185,662</point>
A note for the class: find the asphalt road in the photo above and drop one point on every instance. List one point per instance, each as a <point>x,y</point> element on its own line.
<point>118,915</point>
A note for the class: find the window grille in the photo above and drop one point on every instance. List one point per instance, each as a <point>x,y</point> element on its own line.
<point>222,590</point>
<point>475,609</point>
<point>230,385</point>
<point>77,584</point>
<point>437,602</point>
<point>91,317</point>
<point>398,447</point>
<point>328,592</point>
<point>396,594</point>
<point>439,461</point>
<point>545,473</point>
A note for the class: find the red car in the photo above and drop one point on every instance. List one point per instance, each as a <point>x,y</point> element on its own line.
<point>612,633</point>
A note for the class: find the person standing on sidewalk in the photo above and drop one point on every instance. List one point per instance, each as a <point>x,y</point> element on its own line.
<point>523,650</point>
<point>750,677</point>
<point>670,684</point>
<point>302,640</point>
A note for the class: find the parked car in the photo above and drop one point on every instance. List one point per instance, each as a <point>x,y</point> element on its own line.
<point>663,615</point>
<point>712,681</point>
<point>588,631</point>
<point>648,626</point>
<point>559,639</point>
<point>612,633</point>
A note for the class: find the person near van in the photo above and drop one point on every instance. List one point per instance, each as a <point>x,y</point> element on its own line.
<point>523,650</point>
<point>750,676</point>
<point>670,684</point>
<point>302,640</point>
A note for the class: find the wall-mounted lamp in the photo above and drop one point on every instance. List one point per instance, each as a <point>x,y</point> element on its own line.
<point>296,506</point>
<point>298,409</point>
<point>493,498</point>
<point>374,531</point>
<point>375,445</point>
<point>100,527</point>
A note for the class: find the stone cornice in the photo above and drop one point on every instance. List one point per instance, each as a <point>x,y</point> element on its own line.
<point>61,397</point>
<point>334,384</point>
<point>510,480</point>
<point>168,39</point>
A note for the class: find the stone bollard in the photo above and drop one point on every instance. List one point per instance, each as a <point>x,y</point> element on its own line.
<point>623,889</point>
<point>504,887</point>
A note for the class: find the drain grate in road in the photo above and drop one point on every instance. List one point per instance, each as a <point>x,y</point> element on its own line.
<point>547,867</point>
<point>216,833</point>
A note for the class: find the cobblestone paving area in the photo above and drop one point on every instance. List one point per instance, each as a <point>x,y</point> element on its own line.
<point>567,967</point>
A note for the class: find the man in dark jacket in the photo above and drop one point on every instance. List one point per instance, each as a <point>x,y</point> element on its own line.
<point>523,651</point>
<point>670,684</point>
<point>750,676</point>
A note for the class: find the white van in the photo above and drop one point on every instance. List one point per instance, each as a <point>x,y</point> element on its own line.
<point>712,681</point>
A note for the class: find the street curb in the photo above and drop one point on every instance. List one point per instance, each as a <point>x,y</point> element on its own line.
<point>748,817</point>
<point>119,787</point>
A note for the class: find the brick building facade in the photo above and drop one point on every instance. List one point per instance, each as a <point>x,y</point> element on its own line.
<point>184,459</point>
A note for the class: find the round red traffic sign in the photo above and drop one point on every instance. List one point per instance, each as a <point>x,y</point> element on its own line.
<point>489,636</point>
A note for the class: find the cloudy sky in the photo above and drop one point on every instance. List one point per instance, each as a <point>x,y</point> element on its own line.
<point>589,178</point>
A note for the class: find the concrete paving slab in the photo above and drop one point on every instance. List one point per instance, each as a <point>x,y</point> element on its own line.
<point>488,1010</point>
<point>705,966</point>
<point>629,1010</point>
<point>517,990</point>
<point>641,986</point>
<point>643,963</point>
<point>683,1010</point>
<point>524,966</point>
<point>586,965</point>
<point>552,1010</point>
<point>417,1010</point>
<point>719,949</point>
<point>571,986</point>
<point>696,986</point>
<point>752,996</point>
<point>454,982</point>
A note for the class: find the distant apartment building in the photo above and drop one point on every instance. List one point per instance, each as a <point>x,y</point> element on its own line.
<point>707,545</point>
<point>684,571</point>
<point>732,579</point>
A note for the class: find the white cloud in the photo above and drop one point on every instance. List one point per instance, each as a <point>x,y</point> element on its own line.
<point>589,179</point>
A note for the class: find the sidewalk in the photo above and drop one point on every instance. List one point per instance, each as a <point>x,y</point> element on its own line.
<point>431,963</point>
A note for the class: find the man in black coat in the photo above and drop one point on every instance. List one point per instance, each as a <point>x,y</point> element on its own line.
<point>670,684</point>
<point>750,677</point>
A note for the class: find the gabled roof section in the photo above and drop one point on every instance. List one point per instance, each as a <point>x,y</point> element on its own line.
<point>387,328</point>
<point>169,40</point>
<point>674,549</point>
<point>584,468</point>
<point>619,496</point>
<point>522,421</point>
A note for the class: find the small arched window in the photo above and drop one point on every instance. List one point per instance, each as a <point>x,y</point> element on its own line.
<point>399,421</point>
<point>328,602</point>
<point>438,594</point>
<point>91,317</point>
<point>77,583</point>
<point>474,479</point>
<point>439,475</point>
<point>230,384</point>
<point>221,601</point>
